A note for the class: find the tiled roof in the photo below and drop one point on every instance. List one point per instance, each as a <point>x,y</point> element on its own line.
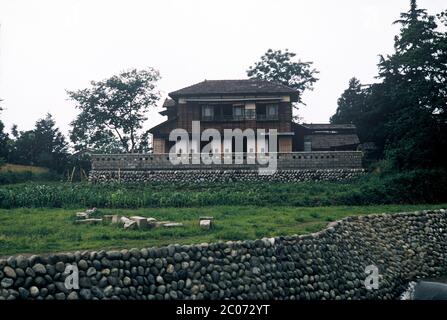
<point>328,126</point>
<point>164,127</point>
<point>168,103</point>
<point>227,87</point>
<point>328,141</point>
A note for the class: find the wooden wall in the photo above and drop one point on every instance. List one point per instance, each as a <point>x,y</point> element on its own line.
<point>189,112</point>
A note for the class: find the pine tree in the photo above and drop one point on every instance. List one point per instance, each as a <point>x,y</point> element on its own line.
<point>415,81</point>
<point>350,104</point>
<point>405,113</point>
<point>43,146</point>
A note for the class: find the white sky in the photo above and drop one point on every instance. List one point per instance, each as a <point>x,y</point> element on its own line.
<point>47,47</point>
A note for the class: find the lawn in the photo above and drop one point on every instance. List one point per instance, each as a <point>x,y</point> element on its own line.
<point>40,230</point>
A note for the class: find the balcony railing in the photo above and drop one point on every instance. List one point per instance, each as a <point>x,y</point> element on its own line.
<point>266,117</point>
<point>259,117</point>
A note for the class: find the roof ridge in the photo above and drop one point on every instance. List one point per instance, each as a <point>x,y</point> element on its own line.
<point>329,124</point>
<point>235,86</point>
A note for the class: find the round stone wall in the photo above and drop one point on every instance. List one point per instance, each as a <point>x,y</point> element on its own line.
<point>388,250</point>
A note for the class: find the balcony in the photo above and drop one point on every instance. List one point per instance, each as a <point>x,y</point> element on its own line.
<point>246,117</point>
<point>240,112</point>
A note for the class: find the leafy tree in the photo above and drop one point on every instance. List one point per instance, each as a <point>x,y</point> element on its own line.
<point>113,112</point>
<point>443,17</point>
<point>15,131</point>
<point>145,145</point>
<point>278,66</point>
<point>4,141</point>
<point>43,146</point>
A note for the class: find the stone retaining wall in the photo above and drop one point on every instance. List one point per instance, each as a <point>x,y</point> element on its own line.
<point>210,176</point>
<point>326,265</point>
<point>291,167</point>
<point>243,161</point>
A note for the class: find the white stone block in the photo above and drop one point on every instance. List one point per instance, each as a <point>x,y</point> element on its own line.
<point>88,221</point>
<point>141,222</point>
<point>130,224</point>
<point>82,215</point>
<point>205,224</point>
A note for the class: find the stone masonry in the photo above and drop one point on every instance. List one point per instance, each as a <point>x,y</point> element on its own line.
<point>291,167</point>
<point>328,265</point>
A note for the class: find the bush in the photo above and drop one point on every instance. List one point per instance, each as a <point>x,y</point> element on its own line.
<point>416,186</point>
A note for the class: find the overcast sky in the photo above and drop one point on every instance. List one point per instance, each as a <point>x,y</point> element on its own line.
<point>47,47</point>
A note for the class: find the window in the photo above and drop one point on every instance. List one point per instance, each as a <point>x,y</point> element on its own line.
<point>272,111</point>
<point>261,111</point>
<point>227,111</point>
<point>307,143</point>
<point>238,112</point>
<point>207,113</point>
<point>250,114</point>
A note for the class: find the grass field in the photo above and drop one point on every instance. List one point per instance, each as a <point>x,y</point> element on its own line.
<point>21,168</point>
<point>40,230</point>
<point>38,217</point>
<point>373,189</point>
<point>11,174</point>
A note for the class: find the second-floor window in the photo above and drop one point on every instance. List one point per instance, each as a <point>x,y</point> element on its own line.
<point>238,111</point>
<point>207,112</point>
<point>272,111</point>
<point>250,114</point>
<point>267,111</point>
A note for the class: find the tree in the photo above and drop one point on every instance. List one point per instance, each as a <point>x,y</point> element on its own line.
<point>416,78</point>
<point>113,111</point>
<point>15,131</point>
<point>365,106</point>
<point>278,66</point>
<point>4,141</point>
<point>443,17</point>
<point>351,104</point>
<point>43,146</point>
<point>405,113</point>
